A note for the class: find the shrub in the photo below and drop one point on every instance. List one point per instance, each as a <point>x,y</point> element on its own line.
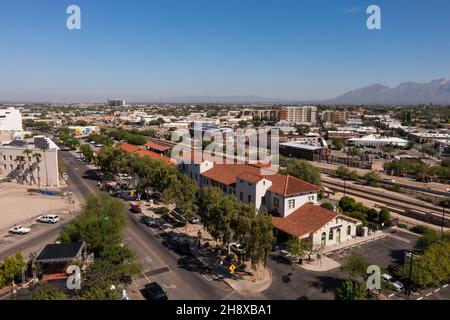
<point>419,229</point>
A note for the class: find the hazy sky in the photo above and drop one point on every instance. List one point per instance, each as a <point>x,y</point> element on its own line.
<point>141,50</point>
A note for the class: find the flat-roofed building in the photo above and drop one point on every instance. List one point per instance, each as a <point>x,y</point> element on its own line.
<point>10,119</point>
<point>39,166</point>
<point>299,115</point>
<point>376,141</point>
<point>302,151</point>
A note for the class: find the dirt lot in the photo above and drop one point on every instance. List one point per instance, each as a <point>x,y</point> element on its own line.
<point>19,206</point>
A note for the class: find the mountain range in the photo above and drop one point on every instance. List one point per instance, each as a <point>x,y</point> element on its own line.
<point>436,92</point>
<point>407,93</point>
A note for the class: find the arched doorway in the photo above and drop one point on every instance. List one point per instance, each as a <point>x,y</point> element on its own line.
<point>324,239</point>
<point>338,236</point>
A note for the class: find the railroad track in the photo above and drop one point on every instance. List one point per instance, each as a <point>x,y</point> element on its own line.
<point>411,209</point>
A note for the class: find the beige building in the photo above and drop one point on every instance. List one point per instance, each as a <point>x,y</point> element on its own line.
<point>299,115</point>
<point>291,201</point>
<point>38,167</point>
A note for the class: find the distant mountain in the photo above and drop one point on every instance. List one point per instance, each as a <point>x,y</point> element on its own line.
<point>436,91</point>
<point>224,99</point>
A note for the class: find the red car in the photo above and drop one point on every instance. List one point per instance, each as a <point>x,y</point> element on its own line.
<point>135,208</point>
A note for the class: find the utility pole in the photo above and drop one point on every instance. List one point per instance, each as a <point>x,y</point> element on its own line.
<point>410,273</point>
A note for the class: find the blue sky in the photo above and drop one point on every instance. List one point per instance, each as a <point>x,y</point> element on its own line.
<point>143,50</point>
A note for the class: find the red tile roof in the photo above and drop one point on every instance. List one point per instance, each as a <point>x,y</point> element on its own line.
<point>305,220</point>
<point>145,153</point>
<point>281,184</point>
<point>129,147</point>
<point>250,177</point>
<point>142,152</point>
<point>158,147</point>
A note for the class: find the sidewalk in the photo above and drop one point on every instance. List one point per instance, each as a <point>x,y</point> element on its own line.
<point>358,240</point>
<point>246,283</point>
<point>213,270</point>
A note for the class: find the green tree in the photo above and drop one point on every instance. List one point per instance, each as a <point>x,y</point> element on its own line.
<point>10,268</point>
<point>298,247</point>
<point>38,158</point>
<point>372,178</point>
<point>384,216</point>
<point>28,153</point>
<point>100,224</point>
<point>302,170</point>
<point>87,152</point>
<point>338,143</point>
<point>430,269</point>
<point>185,200</point>
<point>327,205</point>
<point>48,294</point>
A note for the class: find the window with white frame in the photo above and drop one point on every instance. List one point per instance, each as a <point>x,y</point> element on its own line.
<point>291,203</point>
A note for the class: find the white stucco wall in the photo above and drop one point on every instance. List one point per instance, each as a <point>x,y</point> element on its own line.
<point>341,223</point>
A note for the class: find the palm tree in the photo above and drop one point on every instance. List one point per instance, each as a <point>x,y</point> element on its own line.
<point>28,152</point>
<point>44,149</point>
<point>38,158</point>
<point>20,160</point>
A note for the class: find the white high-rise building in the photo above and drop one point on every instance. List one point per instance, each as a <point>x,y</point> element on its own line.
<point>10,119</point>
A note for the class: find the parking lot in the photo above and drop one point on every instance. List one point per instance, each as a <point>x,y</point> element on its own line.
<point>383,251</point>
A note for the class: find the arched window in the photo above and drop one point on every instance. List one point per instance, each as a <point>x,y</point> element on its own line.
<point>324,239</point>
<point>349,230</point>
<point>331,235</point>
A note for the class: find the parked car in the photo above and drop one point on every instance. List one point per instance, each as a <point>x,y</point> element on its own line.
<point>135,208</point>
<point>155,292</point>
<point>237,248</point>
<point>387,180</point>
<point>397,285</point>
<point>50,218</point>
<point>19,230</point>
<point>148,221</point>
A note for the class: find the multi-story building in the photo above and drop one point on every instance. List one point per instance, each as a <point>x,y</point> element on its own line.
<point>273,115</point>
<point>299,115</point>
<point>335,116</point>
<point>116,102</point>
<point>38,166</point>
<point>10,119</point>
<point>291,201</point>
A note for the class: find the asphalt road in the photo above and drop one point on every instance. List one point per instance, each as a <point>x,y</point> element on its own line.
<point>179,276</point>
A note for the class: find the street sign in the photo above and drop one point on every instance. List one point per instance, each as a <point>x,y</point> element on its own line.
<point>232,268</point>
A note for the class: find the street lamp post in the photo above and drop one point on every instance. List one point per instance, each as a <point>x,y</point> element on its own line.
<point>410,273</point>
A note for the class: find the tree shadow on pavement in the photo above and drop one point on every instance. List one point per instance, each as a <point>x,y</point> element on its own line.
<point>327,284</point>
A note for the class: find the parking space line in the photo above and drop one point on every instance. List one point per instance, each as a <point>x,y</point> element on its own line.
<point>437,290</point>
<point>391,295</point>
<point>428,294</point>
<point>445,286</point>
<point>419,298</point>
